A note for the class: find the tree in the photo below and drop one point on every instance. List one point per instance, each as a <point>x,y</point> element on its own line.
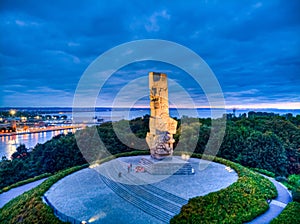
<point>21,152</point>
<point>265,151</point>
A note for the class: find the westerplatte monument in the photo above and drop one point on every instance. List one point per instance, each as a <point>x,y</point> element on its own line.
<point>162,127</point>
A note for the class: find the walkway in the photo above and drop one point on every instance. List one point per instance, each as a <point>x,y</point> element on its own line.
<point>13,193</point>
<point>276,205</point>
<point>111,194</point>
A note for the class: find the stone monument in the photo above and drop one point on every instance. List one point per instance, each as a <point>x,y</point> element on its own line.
<point>162,126</point>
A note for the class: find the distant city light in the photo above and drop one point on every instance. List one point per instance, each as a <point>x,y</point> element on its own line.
<point>12,112</point>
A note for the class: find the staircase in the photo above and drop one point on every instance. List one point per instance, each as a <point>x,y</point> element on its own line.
<point>150,199</point>
<point>167,167</point>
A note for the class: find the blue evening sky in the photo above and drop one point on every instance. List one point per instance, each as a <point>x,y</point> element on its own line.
<point>253,48</point>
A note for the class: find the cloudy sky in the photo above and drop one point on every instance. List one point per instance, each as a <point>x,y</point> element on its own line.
<point>253,48</point>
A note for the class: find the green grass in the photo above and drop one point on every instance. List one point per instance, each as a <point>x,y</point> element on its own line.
<point>290,214</point>
<point>241,201</point>
<point>293,184</point>
<point>263,171</point>
<point>29,207</point>
<point>23,182</point>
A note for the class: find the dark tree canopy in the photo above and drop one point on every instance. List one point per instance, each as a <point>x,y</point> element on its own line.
<point>261,140</point>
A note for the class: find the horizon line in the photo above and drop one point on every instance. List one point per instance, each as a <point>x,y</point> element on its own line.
<point>147,107</point>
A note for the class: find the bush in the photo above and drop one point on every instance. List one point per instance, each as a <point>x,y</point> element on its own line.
<point>281,179</point>
<point>296,194</point>
<point>290,215</point>
<point>29,207</point>
<point>294,180</point>
<point>20,183</point>
<point>240,202</point>
<point>263,171</point>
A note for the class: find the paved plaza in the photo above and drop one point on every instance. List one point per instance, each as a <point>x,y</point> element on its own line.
<point>114,192</point>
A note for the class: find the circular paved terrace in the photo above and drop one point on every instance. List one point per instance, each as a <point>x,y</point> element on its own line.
<point>102,195</point>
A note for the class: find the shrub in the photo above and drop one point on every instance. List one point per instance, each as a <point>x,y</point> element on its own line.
<point>263,171</point>
<point>296,194</point>
<point>29,207</point>
<point>20,183</point>
<point>240,202</point>
<point>290,215</point>
<point>294,180</point>
<point>281,179</point>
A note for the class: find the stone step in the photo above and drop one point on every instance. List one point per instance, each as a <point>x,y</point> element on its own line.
<point>153,199</point>
<point>146,196</point>
<point>165,194</point>
<point>137,201</point>
<point>170,168</point>
<point>157,191</point>
<point>130,178</point>
<point>149,187</point>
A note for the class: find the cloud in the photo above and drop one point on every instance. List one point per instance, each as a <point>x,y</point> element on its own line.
<point>153,23</point>
<point>24,23</point>
<point>252,46</point>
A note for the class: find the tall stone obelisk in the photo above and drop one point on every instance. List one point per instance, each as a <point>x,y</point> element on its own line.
<point>162,127</point>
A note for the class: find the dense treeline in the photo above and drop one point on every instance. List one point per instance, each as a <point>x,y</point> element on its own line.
<point>262,140</point>
<point>59,153</point>
<point>62,151</point>
<point>267,142</point>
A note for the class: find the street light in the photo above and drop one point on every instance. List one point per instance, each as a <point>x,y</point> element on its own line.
<point>12,112</point>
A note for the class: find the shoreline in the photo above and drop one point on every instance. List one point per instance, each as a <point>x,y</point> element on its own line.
<point>57,128</point>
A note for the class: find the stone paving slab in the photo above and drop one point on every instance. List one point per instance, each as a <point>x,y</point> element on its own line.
<point>84,196</point>
<point>98,203</point>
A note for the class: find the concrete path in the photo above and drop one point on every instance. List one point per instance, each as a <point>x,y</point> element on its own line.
<point>11,194</point>
<point>276,205</point>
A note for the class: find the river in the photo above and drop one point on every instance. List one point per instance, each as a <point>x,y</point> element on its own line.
<point>9,144</point>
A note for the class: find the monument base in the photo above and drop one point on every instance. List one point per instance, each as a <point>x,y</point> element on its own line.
<point>167,166</point>
<point>162,156</point>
